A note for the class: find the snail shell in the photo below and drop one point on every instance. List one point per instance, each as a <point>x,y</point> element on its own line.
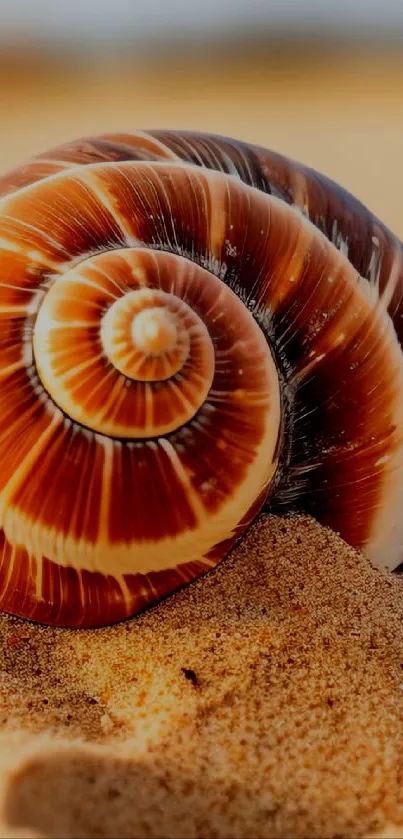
<point>192,329</point>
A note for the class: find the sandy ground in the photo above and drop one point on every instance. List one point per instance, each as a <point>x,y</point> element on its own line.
<point>263,700</point>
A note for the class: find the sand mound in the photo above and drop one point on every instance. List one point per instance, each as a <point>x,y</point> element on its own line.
<point>264,700</point>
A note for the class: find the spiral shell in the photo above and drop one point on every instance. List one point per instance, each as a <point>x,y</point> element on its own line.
<point>192,329</point>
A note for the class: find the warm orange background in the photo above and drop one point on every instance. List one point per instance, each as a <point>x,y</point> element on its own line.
<point>340,111</point>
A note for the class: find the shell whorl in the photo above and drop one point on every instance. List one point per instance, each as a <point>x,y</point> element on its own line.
<point>179,348</point>
<point>119,347</point>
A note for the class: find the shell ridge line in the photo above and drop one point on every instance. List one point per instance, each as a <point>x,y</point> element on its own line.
<point>87,175</point>
<point>44,234</point>
<point>160,214</point>
<point>161,146</point>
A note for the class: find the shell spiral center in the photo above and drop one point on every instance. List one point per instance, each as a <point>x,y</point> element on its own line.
<point>154,332</point>
<point>145,334</point>
<point>119,353</point>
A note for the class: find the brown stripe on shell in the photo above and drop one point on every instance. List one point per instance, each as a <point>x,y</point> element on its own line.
<point>25,420</point>
<point>33,171</point>
<point>69,503</point>
<point>41,220</point>
<point>140,146</point>
<point>111,148</point>
<point>51,594</point>
<point>20,278</point>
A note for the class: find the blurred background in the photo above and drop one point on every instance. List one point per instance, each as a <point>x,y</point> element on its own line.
<point>318,80</point>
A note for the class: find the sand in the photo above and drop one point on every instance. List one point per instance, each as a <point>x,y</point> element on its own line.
<point>264,700</point>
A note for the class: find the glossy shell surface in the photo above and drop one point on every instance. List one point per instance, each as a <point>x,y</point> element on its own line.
<point>191,329</point>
